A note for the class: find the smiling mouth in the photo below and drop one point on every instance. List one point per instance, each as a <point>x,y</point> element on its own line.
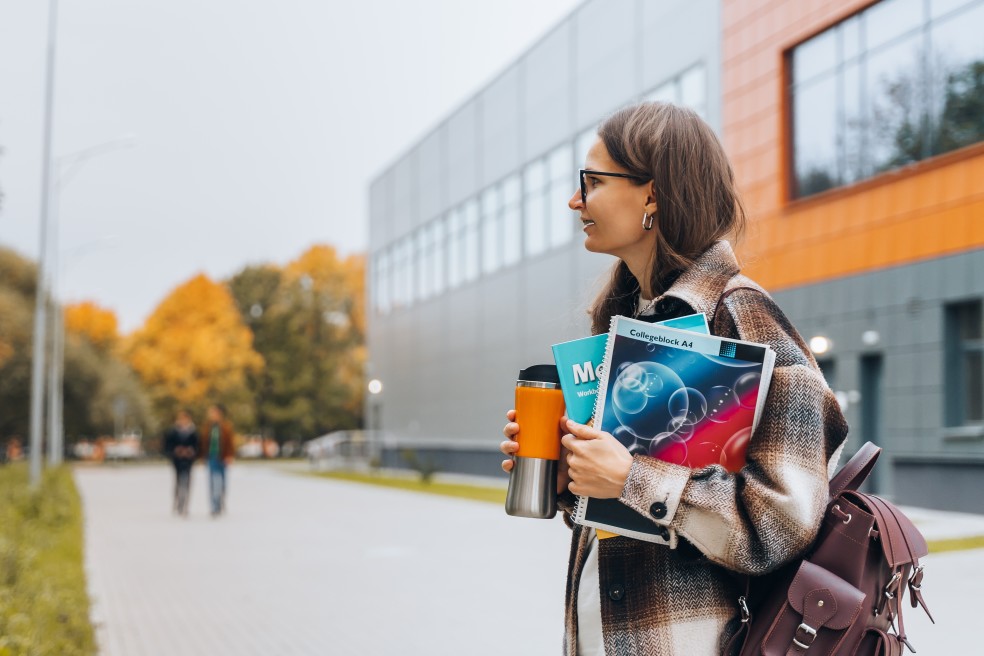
<point>587,222</point>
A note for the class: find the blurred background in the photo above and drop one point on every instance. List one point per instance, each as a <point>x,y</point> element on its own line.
<point>347,223</point>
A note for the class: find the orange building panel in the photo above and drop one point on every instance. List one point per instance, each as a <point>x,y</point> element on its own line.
<point>926,210</point>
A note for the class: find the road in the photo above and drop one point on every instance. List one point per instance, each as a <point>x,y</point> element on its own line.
<point>301,565</point>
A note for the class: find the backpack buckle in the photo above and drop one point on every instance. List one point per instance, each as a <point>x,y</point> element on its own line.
<point>806,632</point>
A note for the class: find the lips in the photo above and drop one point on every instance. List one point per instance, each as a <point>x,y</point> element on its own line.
<point>587,222</point>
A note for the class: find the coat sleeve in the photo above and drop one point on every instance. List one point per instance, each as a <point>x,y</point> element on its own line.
<point>755,520</point>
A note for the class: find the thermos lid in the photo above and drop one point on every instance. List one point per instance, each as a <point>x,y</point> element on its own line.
<point>542,373</point>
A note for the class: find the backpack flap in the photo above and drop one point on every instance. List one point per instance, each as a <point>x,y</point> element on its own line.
<point>821,614</point>
<point>901,541</point>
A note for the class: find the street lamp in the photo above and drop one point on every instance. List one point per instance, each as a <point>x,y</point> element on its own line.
<point>56,390</point>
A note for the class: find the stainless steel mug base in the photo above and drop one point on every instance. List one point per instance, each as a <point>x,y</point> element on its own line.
<point>532,488</point>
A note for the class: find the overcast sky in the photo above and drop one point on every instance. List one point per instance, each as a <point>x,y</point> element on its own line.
<point>258,124</point>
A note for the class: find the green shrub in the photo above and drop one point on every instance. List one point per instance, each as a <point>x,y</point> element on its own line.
<point>44,607</point>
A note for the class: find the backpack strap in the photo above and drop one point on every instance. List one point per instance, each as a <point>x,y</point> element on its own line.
<point>720,302</point>
<point>853,474</point>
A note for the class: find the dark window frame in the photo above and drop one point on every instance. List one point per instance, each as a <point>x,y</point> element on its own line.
<point>930,139</point>
<point>956,350</point>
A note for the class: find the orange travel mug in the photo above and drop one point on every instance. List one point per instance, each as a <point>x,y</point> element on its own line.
<point>539,407</point>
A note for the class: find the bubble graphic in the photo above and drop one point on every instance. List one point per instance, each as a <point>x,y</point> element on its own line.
<point>640,395</point>
<point>628,398</point>
<point>651,348</point>
<point>638,449</point>
<point>672,451</point>
<point>746,387</point>
<point>687,402</point>
<point>681,427</point>
<point>721,403</point>
<point>733,452</point>
<point>624,435</point>
<point>622,367</point>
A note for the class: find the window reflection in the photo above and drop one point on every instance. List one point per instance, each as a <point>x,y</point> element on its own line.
<point>895,84</point>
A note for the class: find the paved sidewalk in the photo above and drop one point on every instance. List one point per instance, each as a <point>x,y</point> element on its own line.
<point>312,566</point>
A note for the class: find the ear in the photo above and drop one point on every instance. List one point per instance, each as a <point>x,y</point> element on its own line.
<point>651,207</point>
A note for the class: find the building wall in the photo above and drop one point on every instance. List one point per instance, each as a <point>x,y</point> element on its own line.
<point>882,256</point>
<point>925,210</point>
<point>872,266</point>
<point>448,362</point>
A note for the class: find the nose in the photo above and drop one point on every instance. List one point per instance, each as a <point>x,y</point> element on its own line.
<point>575,202</point>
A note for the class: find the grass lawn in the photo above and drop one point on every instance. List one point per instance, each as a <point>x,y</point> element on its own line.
<point>44,607</point>
<point>474,492</point>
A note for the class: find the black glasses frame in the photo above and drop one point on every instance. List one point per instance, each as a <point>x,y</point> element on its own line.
<point>584,188</point>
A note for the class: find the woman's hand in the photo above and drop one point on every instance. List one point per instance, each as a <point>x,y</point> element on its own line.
<point>598,464</point>
<point>511,446</point>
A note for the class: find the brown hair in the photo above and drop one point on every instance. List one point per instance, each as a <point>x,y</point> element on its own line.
<point>696,196</point>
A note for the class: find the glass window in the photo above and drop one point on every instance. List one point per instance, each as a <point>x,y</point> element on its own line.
<point>534,208</point>
<point>814,136</point>
<point>424,254</point>
<point>455,250</point>
<point>892,85</point>
<point>511,237</point>
<point>491,230</point>
<point>666,92</point>
<point>582,145</point>
<point>381,282</point>
<point>964,364</point>
<point>693,89</point>
<point>891,19</point>
<point>440,254</point>
<point>940,8</point>
<point>957,94</point>
<point>815,57</point>
<point>896,137</point>
<point>470,241</point>
<point>561,173</point>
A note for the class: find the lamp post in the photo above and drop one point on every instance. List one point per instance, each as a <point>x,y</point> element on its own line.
<point>56,390</point>
<point>66,167</point>
<point>40,301</point>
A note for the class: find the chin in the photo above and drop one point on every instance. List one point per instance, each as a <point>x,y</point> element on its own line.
<point>592,245</point>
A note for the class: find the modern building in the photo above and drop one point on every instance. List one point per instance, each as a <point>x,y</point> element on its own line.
<point>857,136</point>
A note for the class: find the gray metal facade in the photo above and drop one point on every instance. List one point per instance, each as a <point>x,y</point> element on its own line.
<point>926,462</point>
<point>447,355</point>
<point>447,351</point>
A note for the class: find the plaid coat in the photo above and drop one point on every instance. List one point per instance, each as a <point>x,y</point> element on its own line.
<point>678,596</point>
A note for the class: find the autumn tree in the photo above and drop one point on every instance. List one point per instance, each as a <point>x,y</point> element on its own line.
<point>194,350</point>
<point>95,378</point>
<point>309,324</point>
<point>99,325</point>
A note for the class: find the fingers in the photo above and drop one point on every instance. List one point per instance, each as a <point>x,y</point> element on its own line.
<point>511,415</point>
<point>509,447</point>
<point>582,431</point>
<point>507,465</point>
<point>511,430</point>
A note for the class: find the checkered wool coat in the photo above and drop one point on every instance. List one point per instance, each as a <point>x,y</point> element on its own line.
<point>678,597</point>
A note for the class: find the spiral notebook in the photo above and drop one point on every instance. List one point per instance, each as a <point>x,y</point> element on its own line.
<point>682,397</point>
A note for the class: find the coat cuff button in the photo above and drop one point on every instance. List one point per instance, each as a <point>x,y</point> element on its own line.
<point>658,510</point>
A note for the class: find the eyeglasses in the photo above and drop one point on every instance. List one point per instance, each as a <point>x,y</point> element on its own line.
<point>584,188</point>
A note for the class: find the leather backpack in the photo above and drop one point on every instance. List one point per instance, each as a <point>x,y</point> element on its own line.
<point>844,597</point>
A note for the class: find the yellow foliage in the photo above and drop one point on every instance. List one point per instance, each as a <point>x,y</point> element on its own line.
<point>342,278</point>
<point>98,324</point>
<point>194,349</point>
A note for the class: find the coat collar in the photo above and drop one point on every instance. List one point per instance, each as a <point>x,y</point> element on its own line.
<point>701,285</point>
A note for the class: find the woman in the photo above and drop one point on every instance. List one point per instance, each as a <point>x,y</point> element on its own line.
<point>659,194</point>
<point>181,445</point>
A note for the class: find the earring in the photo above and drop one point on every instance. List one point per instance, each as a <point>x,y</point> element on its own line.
<point>647,220</point>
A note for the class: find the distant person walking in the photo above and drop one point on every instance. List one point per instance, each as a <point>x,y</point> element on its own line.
<point>217,450</point>
<point>181,444</point>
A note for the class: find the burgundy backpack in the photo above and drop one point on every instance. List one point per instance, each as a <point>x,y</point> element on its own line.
<point>845,596</point>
